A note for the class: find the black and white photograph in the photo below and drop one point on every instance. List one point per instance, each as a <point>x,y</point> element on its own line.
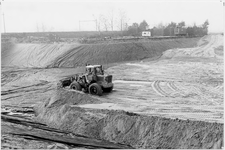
<point>112,74</point>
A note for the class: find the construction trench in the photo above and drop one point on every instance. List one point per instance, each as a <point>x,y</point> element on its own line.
<point>167,94</point>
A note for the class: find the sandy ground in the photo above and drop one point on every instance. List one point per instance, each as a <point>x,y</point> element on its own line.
<point>184,83</point>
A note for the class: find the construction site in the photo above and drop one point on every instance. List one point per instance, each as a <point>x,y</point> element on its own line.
<point>112,75</point>
<point>167,94</point>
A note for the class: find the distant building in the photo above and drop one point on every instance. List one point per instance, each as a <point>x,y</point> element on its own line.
<point>178,30</point>
<point>146,33</point>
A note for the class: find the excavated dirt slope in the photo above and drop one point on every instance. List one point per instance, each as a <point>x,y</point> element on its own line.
<point>138,131</point>
<point>33,55</point>
<point>118,52</point>
<point>73,55</point>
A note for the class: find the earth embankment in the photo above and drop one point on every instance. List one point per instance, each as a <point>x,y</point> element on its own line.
<point>131,129</point>
<point>33,55</point>
<point>73,55</point>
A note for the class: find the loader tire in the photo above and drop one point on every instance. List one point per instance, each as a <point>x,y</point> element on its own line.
<point>75,86</point>
<point>95,89</point>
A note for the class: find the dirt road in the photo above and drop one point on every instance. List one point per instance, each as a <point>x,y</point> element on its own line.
<point>184,83</point>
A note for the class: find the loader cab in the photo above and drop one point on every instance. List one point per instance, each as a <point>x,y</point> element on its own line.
<point>94,70</point>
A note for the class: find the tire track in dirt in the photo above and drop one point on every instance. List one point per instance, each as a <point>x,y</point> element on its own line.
<point>25,88</point>
<point>177,92</point>
<point>156,87</point>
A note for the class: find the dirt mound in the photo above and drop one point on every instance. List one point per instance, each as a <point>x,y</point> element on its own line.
<point>208,47</point>
<point>73,55</point>
<point>63,96</point>
<point>127,128</point>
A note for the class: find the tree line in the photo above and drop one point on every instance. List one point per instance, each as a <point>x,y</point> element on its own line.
<point>136,29</point>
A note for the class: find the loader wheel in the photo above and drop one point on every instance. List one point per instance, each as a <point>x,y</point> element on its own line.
<point>75,86</point>
<point>95,89</point>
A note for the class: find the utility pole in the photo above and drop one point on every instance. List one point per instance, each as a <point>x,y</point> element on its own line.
<point>3,21</point>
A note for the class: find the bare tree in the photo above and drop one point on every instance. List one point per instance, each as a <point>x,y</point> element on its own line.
<point>122,19</point>
<point>99,23</point>
<point>111,18</point>
<point>104,22</point>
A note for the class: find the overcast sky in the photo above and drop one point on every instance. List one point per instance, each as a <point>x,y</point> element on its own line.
<point>33,15</point>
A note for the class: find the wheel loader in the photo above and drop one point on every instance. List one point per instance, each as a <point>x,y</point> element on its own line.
<point>93,81</point>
